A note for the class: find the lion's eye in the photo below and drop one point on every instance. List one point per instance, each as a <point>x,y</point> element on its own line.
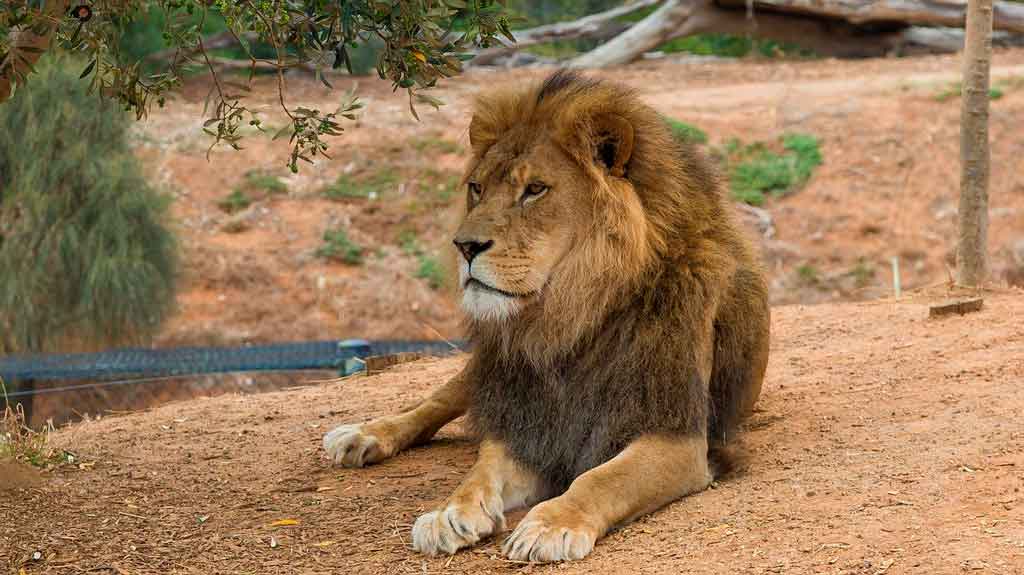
<point>534,191</point>
<point>475,191</point>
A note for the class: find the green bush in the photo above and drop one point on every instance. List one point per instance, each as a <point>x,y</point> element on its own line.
<point>756,169</point>
<point>955,90</point>
<point>85,249</point>
<point>256,185</point>
<point>263,182</point>
<point>808,274</point>
<point>145,36</point>
<point>431,270</point>
<point>408,242</point>
<point>728,46</point>
<point>686,132</point>
<point>235,202</point>
<point>372,186</point>
<point>338,247</point>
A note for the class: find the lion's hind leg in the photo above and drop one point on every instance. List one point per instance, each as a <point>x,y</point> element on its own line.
<point>740,355</point>
<point>476,509</point>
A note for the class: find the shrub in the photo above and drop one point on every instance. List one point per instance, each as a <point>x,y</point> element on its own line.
<point>808,274</point>
<point>257,180</point>
<point>145,35</point>
<point>85,249</point>
<point>338,247</point>
<point>686,132</point>
<point>256,185</point>
<point>431,270</point>
<point>729,46</point>
<point>407,241</point>
<point>372,186</point>
<point>955,90</point>
<point>235,202</point>
<point>863,273</point>
<point>437,144</point>
<point>756,169</point>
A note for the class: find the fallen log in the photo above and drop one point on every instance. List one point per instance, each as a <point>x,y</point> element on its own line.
<point>840,28</point>
<point>601,25</point>
<point>1007,16</point>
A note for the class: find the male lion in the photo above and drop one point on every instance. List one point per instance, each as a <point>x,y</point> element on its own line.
<point>619,323</point>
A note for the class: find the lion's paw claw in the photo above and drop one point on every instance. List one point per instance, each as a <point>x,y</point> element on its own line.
<point>456,526</point>
<point>352,446</point>
<point>537,540</point>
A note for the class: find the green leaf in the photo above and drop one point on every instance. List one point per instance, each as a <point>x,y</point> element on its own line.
<point>87,70</point>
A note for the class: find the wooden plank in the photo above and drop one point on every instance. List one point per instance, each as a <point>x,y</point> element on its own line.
<point>380,363</point>
<point>956,307</point>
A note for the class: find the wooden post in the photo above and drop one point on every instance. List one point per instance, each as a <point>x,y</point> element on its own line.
<point>972,246</point>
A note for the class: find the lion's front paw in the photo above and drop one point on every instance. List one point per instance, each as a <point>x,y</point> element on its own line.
<point>549,534</point>
<point>354,446</point>
<point>456,526</point>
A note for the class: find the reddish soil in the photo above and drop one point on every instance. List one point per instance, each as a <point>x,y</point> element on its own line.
<point>884,442</point>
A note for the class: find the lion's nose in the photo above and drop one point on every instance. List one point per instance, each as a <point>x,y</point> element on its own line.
<point>472,248</point>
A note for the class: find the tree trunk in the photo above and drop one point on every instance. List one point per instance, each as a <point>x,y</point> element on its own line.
<point>661,26</point>
<point>972,252</point>
<point>11,67</point>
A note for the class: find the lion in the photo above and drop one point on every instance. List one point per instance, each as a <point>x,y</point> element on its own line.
<point>618,317</point>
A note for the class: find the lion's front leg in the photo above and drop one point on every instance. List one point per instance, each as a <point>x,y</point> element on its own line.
<point>356,445</point>
<point>649,473</point>
<point>477,508</point>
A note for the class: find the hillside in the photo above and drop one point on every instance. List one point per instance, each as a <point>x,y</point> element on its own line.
<point>887,188</point>
<point>885,442</point>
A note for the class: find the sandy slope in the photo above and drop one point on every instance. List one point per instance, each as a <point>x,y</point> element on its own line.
<point>885,442</point>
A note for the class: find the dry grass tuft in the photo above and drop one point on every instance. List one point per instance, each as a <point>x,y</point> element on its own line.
<point>19,442</point>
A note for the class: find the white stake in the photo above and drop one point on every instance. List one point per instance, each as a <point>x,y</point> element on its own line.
<point>896,275</point>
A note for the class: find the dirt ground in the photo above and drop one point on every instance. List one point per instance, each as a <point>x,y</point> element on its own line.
<point>884,443</point>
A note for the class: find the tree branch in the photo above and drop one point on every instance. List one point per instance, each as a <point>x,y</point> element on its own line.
<point>211,42</point>
<point>30,46</point>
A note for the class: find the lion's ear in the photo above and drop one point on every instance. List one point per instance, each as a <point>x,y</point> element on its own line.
<point>613,142</point>
<point>481,134</point>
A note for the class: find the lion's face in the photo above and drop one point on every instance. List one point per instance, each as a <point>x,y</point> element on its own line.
<point>523,215</point>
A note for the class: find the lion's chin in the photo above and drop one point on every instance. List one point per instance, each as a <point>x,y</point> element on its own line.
<point>483,304</point>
